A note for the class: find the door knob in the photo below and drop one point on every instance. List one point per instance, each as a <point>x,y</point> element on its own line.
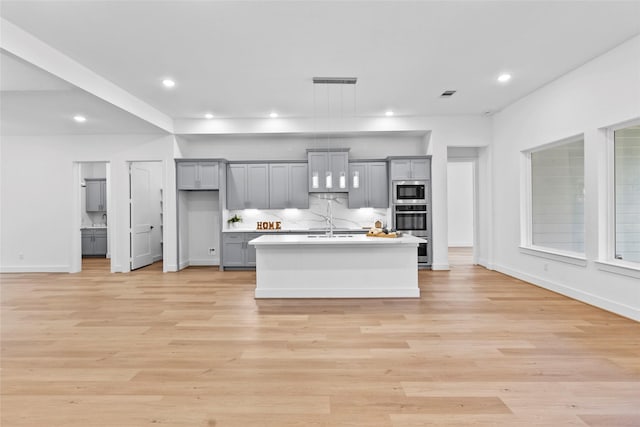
<point>151,227</point>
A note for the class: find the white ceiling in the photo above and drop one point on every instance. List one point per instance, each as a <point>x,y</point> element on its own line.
<point>244,59</point>
<point>34,102</point>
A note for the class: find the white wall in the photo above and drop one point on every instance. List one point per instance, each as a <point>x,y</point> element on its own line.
<point>601,93</point>
<point>460,203</point>
<point>202,227</point>
<point>37,196</point>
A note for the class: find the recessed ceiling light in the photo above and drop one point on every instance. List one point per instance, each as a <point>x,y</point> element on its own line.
<point>208,116</point>
<point>273,115</point>
<point>168,83</point>
<point>388,113</point>
<point>80,119</point>
<point>503,78</point>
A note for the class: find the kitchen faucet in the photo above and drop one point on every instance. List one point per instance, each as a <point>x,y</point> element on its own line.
<point>104,216</point>
<point>330,218</point>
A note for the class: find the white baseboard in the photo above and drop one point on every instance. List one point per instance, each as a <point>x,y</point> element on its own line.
<point>183,264</point>
<point>157,258</point>
<point>35,269</point>
<point>597,301</point>
<point>170,268</point>
<point>206,261</point>
<point>440,267</point>
<point>485,263</point>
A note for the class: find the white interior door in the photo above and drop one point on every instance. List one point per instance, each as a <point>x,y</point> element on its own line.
<point>141,215</point>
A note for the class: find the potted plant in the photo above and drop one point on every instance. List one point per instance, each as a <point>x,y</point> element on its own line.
<point>234,220</point>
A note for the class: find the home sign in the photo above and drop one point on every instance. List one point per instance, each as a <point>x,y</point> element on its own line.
<point>269,225</point>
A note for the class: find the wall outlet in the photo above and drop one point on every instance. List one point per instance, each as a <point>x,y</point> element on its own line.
<point>20,256</point>
<point>546,266</point>
<point>211,250</point>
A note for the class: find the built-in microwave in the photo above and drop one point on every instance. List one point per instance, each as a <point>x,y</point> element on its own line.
<point>409,192</point>
<point>410,218</point>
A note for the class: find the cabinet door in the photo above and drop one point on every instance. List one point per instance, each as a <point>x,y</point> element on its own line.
<point>257,186</point>
<point>233,250</point>
<point>377,185</point>
<point>87,242</point>
<point>317,165</point>
<point>100,242</point>
<point>208,175</point>
<point>420,168</point>
<point>250,250</point>
<point>339,165</point>
<point>400,169</point>
<point>358,196</point>
<point>236,186</point>
<point>103,196</point>
<point>279,186</point>
<point>298,186</point>
<point>187,175</point>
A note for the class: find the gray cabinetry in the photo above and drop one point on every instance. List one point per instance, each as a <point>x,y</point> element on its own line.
<point>410,168</point>
<point>288,186</point>
<point>236,250</point>
<point>96,195</point>
<point>248,186</point>
<point>94,242</point>
<point>373,185</point>
<point>321,162</point>
<point>197,175</point>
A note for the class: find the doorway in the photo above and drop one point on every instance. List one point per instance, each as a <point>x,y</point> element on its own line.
<point>462,207</point>
<point>146,200</point>
<point>92,190</point>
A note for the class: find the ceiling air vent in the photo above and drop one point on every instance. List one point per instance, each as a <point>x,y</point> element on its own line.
<point>447,94</point>
<point>335,80</point>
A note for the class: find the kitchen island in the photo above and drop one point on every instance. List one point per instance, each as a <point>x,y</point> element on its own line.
<point>338,266</point>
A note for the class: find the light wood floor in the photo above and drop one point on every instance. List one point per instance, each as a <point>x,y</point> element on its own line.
<point>196,349</point>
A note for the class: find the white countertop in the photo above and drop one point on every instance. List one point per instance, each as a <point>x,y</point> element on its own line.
<point>344,239</point>
<point>294,230</point>
<point>93,227</point>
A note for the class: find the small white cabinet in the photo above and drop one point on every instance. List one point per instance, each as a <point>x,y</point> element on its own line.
<point>197,175</point>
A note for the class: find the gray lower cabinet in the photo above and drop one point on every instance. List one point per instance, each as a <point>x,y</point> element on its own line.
<point>197,175</point>
<point>236,251</point>
<point>410,169</point>
<point>372,190</point>
<point>96,195</point>
<point>288,187</point>
<point>94,242</point>
<point>248,186</point>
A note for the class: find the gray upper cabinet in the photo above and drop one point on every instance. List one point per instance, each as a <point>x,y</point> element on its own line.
<point>405,169</point>
<point>198,175</point>
<point>248,186</point>
<point>96,195</point>
<point>288,186</point>
<point>321,162</point>
<point>373,185</point>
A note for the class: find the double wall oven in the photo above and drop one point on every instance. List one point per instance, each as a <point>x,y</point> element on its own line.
<point>411,213</point>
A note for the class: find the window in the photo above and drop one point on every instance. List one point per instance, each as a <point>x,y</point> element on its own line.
<point>557,197</point>
<point>627,193</point>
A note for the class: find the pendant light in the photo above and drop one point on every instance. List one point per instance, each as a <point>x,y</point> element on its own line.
<point>315,175</point>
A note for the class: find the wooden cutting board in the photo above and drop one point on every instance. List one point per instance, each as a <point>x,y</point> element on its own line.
<point>388,236</point>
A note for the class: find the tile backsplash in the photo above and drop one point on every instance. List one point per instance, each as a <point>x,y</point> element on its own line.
<point>314,217</point>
